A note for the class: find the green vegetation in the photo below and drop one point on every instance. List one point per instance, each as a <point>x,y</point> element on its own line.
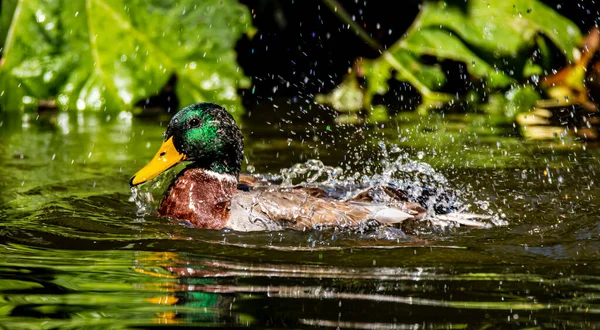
<point>110,54</point>
<point>501,44</point>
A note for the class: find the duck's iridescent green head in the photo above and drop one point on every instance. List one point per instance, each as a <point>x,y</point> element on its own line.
<point>204,134</point>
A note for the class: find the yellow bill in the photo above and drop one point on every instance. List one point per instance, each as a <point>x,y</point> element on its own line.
<point>166,157</point>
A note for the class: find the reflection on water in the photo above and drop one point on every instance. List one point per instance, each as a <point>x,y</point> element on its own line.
<point>75,251</point>
<point>139,288</point>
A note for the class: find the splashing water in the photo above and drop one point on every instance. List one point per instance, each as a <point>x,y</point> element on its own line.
<point>420,182</point>
<point>147,196</point>
<point>144,200</point>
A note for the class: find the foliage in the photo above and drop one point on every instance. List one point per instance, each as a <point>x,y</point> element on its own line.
<point>110,54</point>
<point>495,40</point>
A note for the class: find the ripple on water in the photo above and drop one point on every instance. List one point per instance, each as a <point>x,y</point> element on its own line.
<point>75,252</point>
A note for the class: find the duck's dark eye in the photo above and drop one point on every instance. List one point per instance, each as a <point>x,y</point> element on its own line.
<point>194,122</point>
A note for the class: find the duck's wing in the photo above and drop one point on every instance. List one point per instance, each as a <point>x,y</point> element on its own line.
<point>399,199</point>
<point>247,182</point>
<point>389,196</point>
<point>275,208</point>
<point>243,215</point>
<point>380,194</point>
<point>299,209</point>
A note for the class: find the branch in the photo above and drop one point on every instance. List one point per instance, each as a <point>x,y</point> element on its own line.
<point>343,15</point>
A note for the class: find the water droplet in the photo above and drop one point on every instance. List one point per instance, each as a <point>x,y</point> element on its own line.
<point>40,17</point>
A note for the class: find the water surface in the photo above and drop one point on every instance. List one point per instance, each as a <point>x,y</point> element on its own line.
<point>75,251</point>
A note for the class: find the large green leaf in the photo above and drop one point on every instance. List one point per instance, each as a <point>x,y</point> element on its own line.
<point>109,54</point>
<point>7,8</point>
<point>499,28</point>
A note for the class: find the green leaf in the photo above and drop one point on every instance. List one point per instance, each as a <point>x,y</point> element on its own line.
<point>347,97</point>
<point>18,285</point>
<point>446,45</point>
<point>110,54</point>
<point>500,28</point>
<point>7,9</point>
<point>429,75</point>
<point>491,37</point>
<point>516,100</point>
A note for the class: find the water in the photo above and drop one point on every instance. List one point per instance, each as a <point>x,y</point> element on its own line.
<point>75,250</point>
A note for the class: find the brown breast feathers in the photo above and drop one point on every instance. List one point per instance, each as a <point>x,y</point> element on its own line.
<point>201,197</point>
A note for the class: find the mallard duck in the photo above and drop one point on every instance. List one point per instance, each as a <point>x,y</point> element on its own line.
<point>211,193</point>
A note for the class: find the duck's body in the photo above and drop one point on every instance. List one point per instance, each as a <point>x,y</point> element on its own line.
<point>206,193</point>
<point>212,200</point>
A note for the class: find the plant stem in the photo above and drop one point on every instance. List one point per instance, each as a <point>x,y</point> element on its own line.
<point>343,15</point>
